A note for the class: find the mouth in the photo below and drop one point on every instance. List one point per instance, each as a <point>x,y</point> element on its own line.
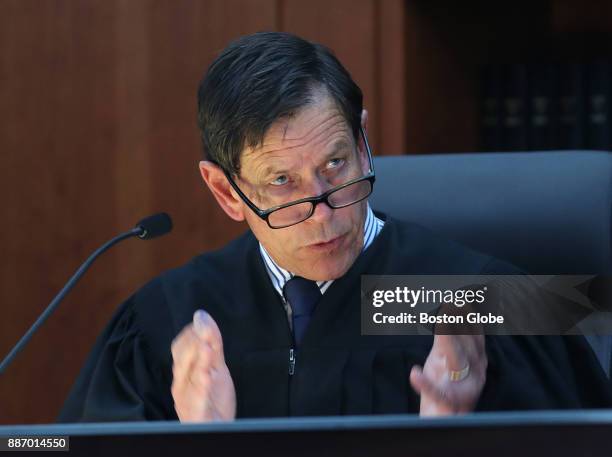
<point>329,244</point>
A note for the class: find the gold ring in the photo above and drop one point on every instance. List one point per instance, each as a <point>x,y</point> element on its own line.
<point>460,375</point>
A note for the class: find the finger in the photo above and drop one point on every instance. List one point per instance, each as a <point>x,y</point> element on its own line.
<point>200,379</point>
<point>416,379</point>
<point>205,358</point>
<point>190,357</point>
<point>427,387</point>
<point>461,349</point>
<point>190,344</point>
<point>474,350</point>
<point>183,370</point>
<point>208,331</point>
<point>453,349</point>
<point>192,396</point>
<point>200,369</point>
<point>193,381</point>
<point>184,347</point>
<point>179,342</point>
<point>477,360</point>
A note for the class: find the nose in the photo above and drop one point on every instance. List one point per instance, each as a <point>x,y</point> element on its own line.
<point>322,211</point>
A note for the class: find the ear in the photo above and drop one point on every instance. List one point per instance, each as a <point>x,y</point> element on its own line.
<point>364,119</point>
<point>222,190</point>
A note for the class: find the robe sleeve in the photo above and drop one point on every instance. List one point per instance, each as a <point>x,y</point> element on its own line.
<point>121,380</point>
<point>541,372</point>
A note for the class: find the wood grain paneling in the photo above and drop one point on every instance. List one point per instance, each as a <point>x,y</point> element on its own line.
<point>59,162</point>
<point>97,129</point>
<point>390,64</point>
<point>348,27</point>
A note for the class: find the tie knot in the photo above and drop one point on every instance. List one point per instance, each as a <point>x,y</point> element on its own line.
<point>302,295</point>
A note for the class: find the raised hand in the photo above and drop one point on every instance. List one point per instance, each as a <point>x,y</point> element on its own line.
<point>202,386</point>
<point>453,376</point>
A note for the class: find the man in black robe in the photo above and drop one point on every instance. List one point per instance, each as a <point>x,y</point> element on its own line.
<point>270,324</point>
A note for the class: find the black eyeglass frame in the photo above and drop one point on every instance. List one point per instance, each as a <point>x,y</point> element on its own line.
<point>324,197</point>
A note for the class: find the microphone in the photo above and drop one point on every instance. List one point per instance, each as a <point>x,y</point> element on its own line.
<point>154,226</point>
<point>148,228</point>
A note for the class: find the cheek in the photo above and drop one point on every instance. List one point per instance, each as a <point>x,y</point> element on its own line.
<point>352,217</point>
<point>258,226</point>
<point>282,239</point>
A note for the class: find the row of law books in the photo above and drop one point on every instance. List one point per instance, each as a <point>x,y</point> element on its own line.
<point>544,106</point>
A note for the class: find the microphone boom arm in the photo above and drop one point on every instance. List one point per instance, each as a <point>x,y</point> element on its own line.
<point>137,231</point>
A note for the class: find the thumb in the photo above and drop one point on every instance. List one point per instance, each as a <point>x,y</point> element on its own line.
<point>417,379</point>
<point>208,331</point>
<point>423,385</point>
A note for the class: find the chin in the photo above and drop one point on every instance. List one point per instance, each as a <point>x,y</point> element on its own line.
<point>326,271</point>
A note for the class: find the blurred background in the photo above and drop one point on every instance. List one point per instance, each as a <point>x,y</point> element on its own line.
<point>98,129</point>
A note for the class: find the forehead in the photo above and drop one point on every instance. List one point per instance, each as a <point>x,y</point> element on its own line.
<point>315,128</point>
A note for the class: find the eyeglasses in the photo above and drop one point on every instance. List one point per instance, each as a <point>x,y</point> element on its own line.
<point>292,213</point>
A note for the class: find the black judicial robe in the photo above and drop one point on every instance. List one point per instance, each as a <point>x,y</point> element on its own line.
<point>129,371</point>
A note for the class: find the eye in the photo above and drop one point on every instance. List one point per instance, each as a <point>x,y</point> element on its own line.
<point>335,163</point>
<point>281,180</point>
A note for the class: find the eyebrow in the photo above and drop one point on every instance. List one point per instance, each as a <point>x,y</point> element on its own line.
<point>338,146</point>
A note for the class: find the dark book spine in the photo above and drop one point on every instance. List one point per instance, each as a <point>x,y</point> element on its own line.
<point>515,115</point>
<point>491,109</point>
<point>599,87</point>
<point>571,106</point>
<point>542,119</point>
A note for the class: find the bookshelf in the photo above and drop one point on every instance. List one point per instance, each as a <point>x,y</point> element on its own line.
<point>453,47</point>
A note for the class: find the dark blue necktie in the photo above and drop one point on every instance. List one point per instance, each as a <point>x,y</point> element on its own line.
<point>302,295</point>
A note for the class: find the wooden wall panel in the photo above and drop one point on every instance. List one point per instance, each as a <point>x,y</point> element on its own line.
<point>132,193</point>
<point>98,129</point>
<point>58,165</point>
<point>368,38</point>
<point>347,27</point>
<point>390,57</point>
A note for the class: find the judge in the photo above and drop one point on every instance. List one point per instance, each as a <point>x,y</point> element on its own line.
<point>270,324</point>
